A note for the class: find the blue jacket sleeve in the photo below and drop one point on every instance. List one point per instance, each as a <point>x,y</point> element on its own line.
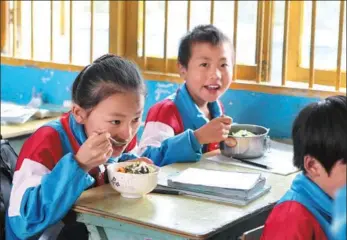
<point>46,204</point>
<point>183,147</point>
<point>339,215</point>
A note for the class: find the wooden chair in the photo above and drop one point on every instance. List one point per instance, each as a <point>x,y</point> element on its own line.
<point>253,234</point>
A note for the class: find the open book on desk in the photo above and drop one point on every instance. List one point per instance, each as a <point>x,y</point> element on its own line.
<point>15,114</point>
<point>12,113</point>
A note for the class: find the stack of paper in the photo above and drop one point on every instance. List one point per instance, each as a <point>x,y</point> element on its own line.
<point>13,113</point>
<point>233,187</point>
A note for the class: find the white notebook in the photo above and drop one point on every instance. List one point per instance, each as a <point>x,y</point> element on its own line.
<point>217,179</point>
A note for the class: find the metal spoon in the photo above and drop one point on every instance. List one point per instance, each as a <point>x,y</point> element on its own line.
<point>117,143</point>
<point>113,141</point>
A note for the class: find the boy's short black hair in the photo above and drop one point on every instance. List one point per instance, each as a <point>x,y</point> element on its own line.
<point>200,34</point>
<point>320,130</point>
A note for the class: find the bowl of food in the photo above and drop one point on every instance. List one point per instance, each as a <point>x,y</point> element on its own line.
<point>252,141</point>
<point>133,179</point>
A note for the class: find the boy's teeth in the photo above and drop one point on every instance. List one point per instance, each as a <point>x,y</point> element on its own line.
<point>212,86</point>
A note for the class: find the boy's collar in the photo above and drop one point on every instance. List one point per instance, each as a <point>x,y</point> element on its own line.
<point>214,107</point>
<point>193,117</point>
<point>310,195</point>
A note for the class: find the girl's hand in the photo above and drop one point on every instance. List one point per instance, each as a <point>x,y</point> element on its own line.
<point>95,151</point>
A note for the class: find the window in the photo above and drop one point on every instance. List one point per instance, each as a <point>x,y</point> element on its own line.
<point>272,38</point>
<point>330,25</point>
<point>255,20</point>
<point>157,19</point>
<point>67,32</point>
<point>3,21</point>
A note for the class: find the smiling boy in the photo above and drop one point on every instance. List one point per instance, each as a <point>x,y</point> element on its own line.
<point>191,121</point>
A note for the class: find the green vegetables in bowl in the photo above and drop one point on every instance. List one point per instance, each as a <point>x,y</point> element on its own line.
<point>243,133</point>
<point>137,168</point>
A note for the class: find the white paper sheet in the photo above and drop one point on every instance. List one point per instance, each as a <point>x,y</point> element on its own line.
<point>17,114</point>
<point>219,179</point>
<point>279,158</point>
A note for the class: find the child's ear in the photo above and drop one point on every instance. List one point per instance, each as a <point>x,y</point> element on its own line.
<point>79,113</point>
<point>312,166</point>
<point>182,70</point>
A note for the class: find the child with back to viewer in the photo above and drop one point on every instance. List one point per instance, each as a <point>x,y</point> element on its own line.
<point>319,140</point>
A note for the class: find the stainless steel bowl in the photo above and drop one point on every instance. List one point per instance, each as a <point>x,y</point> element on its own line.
<point>247,147</point>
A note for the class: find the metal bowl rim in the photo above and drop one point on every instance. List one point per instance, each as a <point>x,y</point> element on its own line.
<point>251,125</point>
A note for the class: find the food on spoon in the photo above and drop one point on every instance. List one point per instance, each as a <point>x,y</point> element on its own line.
<point>243,133</point>
<point>138,167</point>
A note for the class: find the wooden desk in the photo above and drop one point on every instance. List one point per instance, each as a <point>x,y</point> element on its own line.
<point>157,216</point>
<point>18,130</point>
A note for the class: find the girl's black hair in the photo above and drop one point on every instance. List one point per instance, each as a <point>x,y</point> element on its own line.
<point>107,75</point>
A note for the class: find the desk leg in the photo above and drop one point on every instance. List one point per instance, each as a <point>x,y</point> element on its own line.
<point>101,228</point>
<point>96,233</point>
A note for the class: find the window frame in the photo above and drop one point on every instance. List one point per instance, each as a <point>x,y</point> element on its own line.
<point>4,23</point>
<point>296,72</point>
<point>155,64</point>
<point>123,41</point>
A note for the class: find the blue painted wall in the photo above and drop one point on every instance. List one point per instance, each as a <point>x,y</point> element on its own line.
<point>273,111</point>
